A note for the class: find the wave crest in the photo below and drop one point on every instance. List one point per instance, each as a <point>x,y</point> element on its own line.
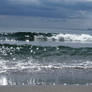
<point>29,36</point>
<point>71,37</point>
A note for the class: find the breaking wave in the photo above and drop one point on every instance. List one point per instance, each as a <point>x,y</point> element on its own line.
<point>21,61</point>
<point>72,37</point>
<point>28,36</point>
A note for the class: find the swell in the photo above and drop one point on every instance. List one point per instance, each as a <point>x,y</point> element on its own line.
<point>23,36</point>
<point>24,51</point>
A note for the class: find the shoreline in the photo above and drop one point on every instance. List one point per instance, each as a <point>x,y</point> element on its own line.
<point>57,88</point>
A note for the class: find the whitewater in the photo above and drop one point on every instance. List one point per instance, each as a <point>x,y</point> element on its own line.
<point>31,58</point>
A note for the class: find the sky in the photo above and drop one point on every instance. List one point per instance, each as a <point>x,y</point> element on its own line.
<point>47,8</point>
<point>45,14</point>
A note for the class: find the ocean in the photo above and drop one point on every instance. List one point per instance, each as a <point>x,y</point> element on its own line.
<point>46,57</point>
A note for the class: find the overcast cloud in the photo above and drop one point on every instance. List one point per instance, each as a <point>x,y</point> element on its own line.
<point>47,8</point>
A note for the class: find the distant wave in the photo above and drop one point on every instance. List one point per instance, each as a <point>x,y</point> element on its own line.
<point>28,36</point>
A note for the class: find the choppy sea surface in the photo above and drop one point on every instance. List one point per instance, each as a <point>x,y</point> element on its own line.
<point>46,58</point>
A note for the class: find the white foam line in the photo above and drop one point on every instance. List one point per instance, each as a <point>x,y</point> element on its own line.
<point>71,37</point>
<point>35,67</point>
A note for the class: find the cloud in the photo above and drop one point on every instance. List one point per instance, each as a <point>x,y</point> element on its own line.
<point>50,0</point>
<point>47,8</point>
<point>25,1</point>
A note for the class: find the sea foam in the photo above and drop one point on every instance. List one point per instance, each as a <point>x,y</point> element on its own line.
<point>71,37</point>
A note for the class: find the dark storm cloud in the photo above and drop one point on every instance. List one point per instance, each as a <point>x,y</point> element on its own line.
<point>46,8</point>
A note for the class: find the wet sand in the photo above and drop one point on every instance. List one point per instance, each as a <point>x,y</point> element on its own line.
<point>46,89</point>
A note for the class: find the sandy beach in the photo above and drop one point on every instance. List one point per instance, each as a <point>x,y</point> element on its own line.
<point>46,89</point>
